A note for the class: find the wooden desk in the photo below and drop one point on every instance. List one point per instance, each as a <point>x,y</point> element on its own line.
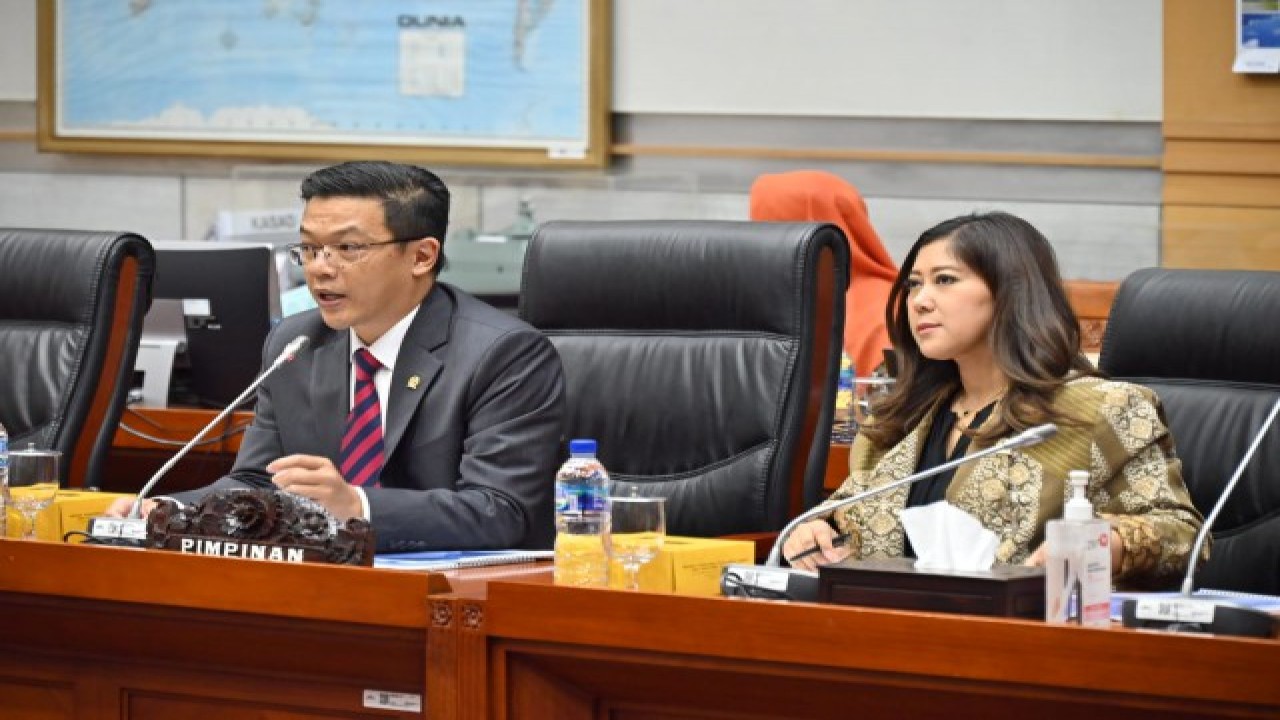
<point>178,425</point>
<point>133,458</point>
<point>96,633</point>
<point>570,653</point>
<point>457,651</point>
<point>106,633</point>
<point>1091,300</point>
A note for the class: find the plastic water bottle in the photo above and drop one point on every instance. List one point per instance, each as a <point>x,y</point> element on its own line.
<point>582,518</point>
<point>4,481</point>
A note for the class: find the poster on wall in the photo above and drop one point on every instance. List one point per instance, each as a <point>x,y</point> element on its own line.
<point>1257,36</point>
<point>485,81</point>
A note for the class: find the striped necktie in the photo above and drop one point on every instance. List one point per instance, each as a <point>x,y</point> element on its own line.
<point>361,457</point>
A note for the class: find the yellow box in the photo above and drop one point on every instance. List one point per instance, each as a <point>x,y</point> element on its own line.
<point>687,566</point>
<point>71,510</point>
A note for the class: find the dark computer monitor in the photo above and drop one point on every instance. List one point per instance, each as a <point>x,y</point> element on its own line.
<point>230,298</point>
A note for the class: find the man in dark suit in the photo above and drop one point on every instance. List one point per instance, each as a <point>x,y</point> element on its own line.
<point>430,413</point>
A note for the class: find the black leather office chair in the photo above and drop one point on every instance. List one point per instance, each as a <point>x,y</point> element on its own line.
<point>701,355</point>
<point>71,310</point>
<point>1208,342</point>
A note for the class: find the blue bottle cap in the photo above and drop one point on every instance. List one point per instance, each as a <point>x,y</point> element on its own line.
<point>582,446</point>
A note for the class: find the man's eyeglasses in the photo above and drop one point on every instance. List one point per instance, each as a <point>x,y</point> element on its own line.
<point>337,254</point>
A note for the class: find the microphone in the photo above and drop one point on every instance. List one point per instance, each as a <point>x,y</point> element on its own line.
<point>770,580</point>
<point>132,529</point>
<point>1186,613</point>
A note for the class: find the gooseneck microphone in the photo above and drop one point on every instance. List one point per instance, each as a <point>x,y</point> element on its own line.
<point>287,355</point>
<point>1030,436</point>
<point>132,529</point>
<point>772,581</point>
<point>1212,615</point>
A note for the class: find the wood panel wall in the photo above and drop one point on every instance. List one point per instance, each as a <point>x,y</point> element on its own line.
<point>1222,146</point>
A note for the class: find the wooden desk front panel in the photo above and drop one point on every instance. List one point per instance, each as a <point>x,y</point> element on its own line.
<point>49,684</point>
<point>101,633</point>
<point>573,653</point>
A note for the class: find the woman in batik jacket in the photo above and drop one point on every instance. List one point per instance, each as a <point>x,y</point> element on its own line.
<point>987,346</point>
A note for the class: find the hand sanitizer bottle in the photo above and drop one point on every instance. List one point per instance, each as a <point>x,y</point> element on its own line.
<point>1078,559</point>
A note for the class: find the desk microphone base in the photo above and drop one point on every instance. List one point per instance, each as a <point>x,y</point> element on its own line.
<point>769,583</point>
<point>121,532</point>
<point>1199,615</point>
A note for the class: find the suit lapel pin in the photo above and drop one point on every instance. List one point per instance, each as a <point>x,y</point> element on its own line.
<point>414,382</point>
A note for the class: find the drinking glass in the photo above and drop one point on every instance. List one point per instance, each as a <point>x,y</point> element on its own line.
<point>638,526</point>
<point>866,391</point>
<point>33,484</point>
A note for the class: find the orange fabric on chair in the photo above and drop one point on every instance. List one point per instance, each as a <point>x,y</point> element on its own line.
<point>820,196</point>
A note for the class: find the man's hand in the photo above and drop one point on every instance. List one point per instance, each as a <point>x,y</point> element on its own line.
<point>315,477</point>
<point>120,507</point>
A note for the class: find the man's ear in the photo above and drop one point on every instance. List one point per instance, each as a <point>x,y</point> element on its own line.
<point>426,255</point>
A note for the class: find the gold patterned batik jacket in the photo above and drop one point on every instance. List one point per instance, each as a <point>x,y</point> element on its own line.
<point>1135,482</point>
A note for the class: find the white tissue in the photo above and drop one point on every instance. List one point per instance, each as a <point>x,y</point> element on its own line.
<point>948,538</point>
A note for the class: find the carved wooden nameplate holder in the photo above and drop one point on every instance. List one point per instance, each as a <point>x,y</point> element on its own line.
<point>260,524</point>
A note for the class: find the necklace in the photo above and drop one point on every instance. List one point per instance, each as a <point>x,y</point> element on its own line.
<point>963,414</point>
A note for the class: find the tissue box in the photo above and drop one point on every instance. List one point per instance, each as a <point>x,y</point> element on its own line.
<point>71,510</point>
<point>687,566</point>
<point>1003,591</point>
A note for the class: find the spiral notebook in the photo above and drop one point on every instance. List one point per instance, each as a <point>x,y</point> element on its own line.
<point>458,559</point>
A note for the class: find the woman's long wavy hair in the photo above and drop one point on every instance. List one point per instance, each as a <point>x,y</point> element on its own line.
<point>1034,334</point>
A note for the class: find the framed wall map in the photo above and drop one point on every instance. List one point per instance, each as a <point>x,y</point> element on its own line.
<point>497,82</point>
